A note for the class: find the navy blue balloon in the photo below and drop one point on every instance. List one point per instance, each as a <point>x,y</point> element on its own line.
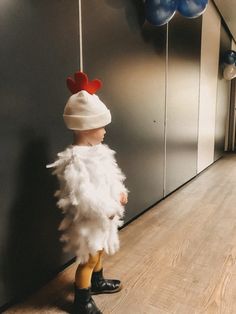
<point>160,12</point>
<point>229,57</point>
<point>192,8</point>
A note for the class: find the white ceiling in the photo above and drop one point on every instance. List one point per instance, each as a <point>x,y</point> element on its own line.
<point>227,9</point>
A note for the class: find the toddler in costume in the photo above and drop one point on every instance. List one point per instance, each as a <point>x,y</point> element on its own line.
<point>91,195</point>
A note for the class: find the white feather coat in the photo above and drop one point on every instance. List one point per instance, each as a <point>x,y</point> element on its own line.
<point>90,186</point>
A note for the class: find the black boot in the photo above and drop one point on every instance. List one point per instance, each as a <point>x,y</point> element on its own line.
<point>100,285</point>
<point>83,303</point>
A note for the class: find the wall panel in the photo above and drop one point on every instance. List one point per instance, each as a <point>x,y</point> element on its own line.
<point>129,57</point>
<point>232,128</point>
<point>210,46</point>
<point>39,51</point>
<point>223,100</point>
<point>182,100</point>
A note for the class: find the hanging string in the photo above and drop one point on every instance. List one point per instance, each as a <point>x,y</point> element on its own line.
<point>81,65</point>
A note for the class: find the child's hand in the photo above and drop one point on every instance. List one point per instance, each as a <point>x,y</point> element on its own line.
<point>123,198</point>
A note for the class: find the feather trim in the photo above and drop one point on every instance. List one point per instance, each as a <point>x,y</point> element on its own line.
<point>90,186</point>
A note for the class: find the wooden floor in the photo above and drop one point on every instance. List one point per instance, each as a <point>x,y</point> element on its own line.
<point>179,257</point>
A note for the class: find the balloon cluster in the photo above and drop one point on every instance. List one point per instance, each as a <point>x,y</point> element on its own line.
<point>229,59</point>
<point>160,12</point>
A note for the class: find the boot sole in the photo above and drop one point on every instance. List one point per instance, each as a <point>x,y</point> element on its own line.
<point>107,291</point>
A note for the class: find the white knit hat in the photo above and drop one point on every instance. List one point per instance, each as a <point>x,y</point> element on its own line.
<point>85,112</point>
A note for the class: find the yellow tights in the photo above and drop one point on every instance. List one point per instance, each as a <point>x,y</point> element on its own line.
<point>84,271</point>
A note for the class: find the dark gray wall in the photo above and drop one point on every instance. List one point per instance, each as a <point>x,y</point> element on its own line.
<point>38,49</point>
<point>130,60</point>
<point>184,51</point>
<point>223,98</point>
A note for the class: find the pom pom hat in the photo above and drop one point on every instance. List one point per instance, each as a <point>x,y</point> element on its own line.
<point>84,110</point>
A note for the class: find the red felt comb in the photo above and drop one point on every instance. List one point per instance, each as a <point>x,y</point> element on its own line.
<point>81,82</point>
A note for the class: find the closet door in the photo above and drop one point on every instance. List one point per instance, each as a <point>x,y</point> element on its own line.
<point>223,98</point>
<point>129,58</point>
<point>182,100</point>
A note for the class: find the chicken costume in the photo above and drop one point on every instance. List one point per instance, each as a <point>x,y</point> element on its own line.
<point>90,187</point>
<point>91,184</point>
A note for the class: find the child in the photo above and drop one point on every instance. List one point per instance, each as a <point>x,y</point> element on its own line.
<point>92,194</point>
